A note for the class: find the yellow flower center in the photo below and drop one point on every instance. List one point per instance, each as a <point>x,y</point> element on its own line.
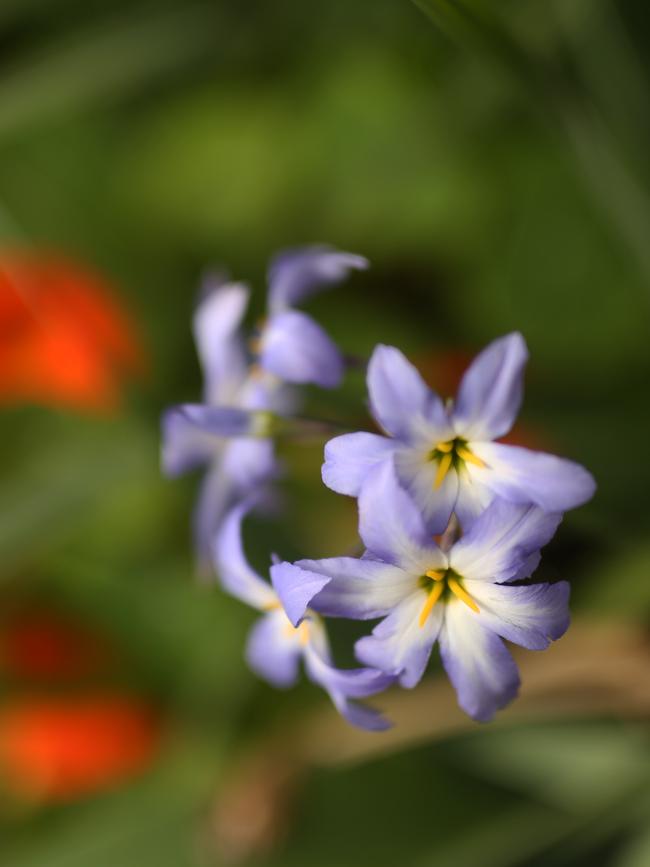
<point>452,453</point>
<point>438,581</point>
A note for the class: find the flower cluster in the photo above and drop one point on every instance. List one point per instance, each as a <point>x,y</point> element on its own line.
<point>453,521</point>
<point>250,382</point>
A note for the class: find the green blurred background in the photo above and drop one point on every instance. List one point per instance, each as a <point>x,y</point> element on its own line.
<point>490,159</point>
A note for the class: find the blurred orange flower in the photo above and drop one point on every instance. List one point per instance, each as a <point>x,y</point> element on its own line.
<point>65,339</point>
<point>59,749</point>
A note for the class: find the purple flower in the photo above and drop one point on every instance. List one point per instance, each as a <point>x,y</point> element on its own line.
<point>463,596</point>
<point>228,434</point>
<point>292,345</point>
<point>444,453</point>
<point>275,646</point>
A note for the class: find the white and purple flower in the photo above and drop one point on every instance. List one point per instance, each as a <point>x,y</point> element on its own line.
<point>276,646</point>
<point>444,452</point>
<point>468,596</point>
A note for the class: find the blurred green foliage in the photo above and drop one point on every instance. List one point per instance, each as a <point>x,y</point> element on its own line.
<point>494,170</point>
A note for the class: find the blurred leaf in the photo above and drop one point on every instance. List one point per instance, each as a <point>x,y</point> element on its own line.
<point>105,59</point>
<point>578,768</point>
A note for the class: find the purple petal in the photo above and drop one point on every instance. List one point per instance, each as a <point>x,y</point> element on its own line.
<point>273,651</point>
<point>524,476</point>
<point>296,588</point>
<point>220,348</point>
<point>236,574</point>
<point>477,662</point>
<point>342,686</point>
<point>501,542</point>
<point>491,390</point>
<point>417,474</point>
<point>250,461</point>
<point>350,457</point>
<point>399,645</point>
<point>402,402</point>
<point>391,525</point>
<point>216,496</point>
<point>356,589</point>
<point>531,616</point>
<point>296,349</point>
<point>295,275</point>
<point>185,445</point>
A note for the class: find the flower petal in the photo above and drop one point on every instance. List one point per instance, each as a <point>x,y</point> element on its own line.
<point>350,457</point>
<point>185,444</point>
<point>477,662</point>
<point>417,474</point>
<point>399,645</point>
<point>491,390</point>
<point>295,588</point>
<point>216,496</point>
<point>221,351</point>
<point>295,275</point>
<point>391,525</point>
<point>250,461</point>
<point>501,541</point>
<point>296,349</point>
<point>524,476</point>
<point>236,574</point>
<point>342,686</point>
<point>531,616</point>
<point>356,589</point>
<point>273,650</point>
<point>402,402</point>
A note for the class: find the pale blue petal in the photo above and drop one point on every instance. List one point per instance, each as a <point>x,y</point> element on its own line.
<point>477,662</point>
<point>524,476</point>
<point>345,686</point>
<point>295,588</point>
<point>491,390</point>
<point>350,457</point>
<point>359,589</point>
<point>185,444</point>
<point>532,615</point>
<point>502,540</point>
<point>295,275</point>
<point>250,461</point>
<point>272,650</point>
<point>235,572</point>
<point>220,347</point>
<point>295,348</point>
<point>417,474</point>
<point>399,645</point>
<point>391,525</point>
<point>402,403</point>
<point>216,496</point>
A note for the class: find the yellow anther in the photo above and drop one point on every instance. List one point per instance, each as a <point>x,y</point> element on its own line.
<point>444,447</point>
<point>432,598</point>
<point>271,606</point>
<point>435,574</point>
<point>462,594</point>
<point>470,457</point>
<point>443,469</point>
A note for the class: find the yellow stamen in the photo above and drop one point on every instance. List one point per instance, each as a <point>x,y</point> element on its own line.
<point>435,574</point>
<point>444,447</point>
<point>434,595</point>
<point>470,457</point>
<point>271,606</point>
<point>443,469</point>
<point>462,594</point>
